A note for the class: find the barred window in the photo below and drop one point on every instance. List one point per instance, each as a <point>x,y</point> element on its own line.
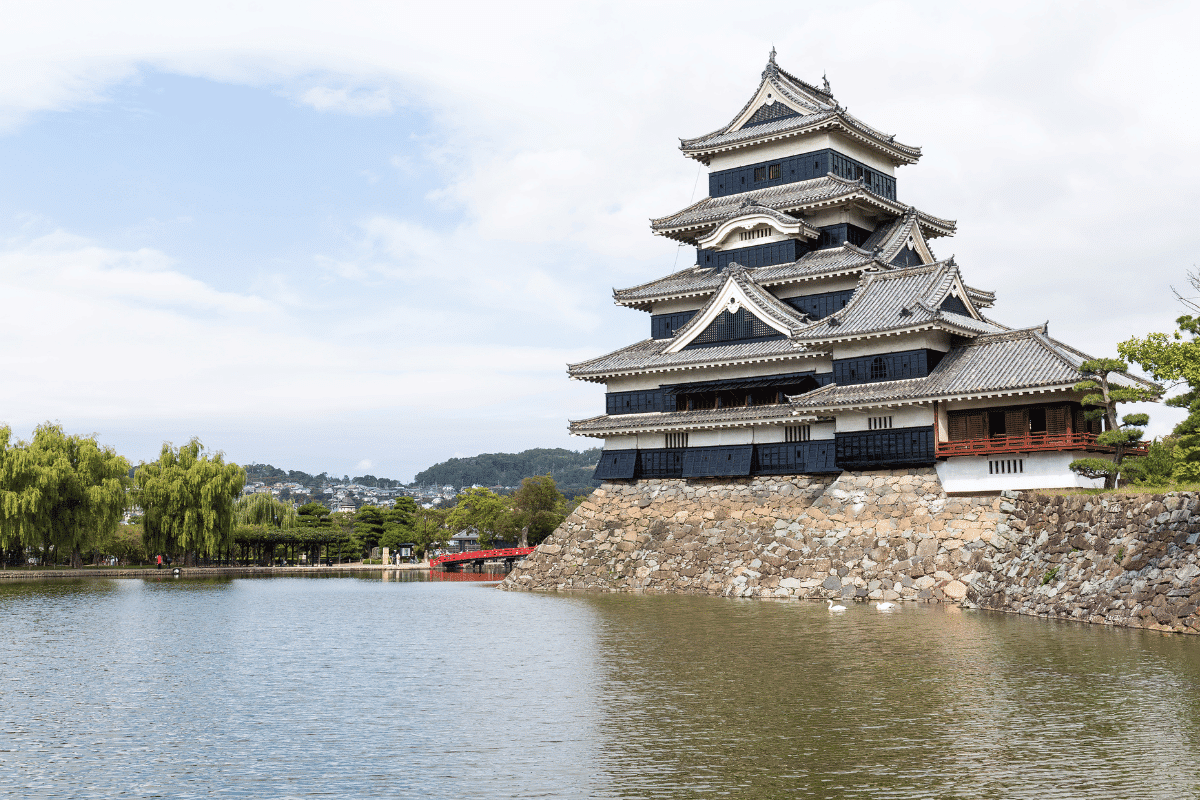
<point>1006,466</point>
<point>879,423</point>
<point>677,439</point>
<point>797,433</point>
<point>773,172</point>
<point>760,174</point>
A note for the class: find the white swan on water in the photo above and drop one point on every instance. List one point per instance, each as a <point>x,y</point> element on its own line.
<point>885,606</point>
<point>838,607</point>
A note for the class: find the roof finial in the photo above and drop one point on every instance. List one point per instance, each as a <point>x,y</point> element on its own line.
<point>825,78</point>
<point>771,60</point>
<point>1046,328</point>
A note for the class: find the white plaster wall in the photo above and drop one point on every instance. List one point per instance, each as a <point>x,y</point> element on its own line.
<point>654,380</point>
<point>720,437</point>
<point>1042,471</point>
<point>682,304</point>
<point>620,442</point>
<point>768,434</point>
<point>903,417</point>
<point>839,214</point>
<point>816,287</point>
<point>647,441</point>
<point>795,146</point>
<point>926,340</point>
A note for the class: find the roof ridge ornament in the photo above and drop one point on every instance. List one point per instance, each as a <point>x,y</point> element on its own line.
<point>825,79</point>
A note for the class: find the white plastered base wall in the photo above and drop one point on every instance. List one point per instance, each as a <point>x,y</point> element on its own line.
<point>1012,472</point>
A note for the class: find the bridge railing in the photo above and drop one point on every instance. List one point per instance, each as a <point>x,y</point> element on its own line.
<point>477,555</point>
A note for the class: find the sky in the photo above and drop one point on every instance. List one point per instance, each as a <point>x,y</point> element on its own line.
<point>365,237</point>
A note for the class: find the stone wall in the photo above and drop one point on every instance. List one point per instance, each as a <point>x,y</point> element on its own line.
<point>1118,560</point>
<point>884,535</point>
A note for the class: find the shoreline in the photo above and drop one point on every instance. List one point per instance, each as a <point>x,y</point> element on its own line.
<point>199,572</point>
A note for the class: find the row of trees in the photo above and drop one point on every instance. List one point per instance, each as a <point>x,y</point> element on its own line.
<point>65,494</point>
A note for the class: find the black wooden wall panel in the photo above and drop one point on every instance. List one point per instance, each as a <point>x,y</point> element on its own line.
<point>663,326</point>
<point>662,462</point>
<point>800,168</point>
<point>765,114</point>
<point>885,367</point>
<point>794,458</point>
<point>712,462</point>
<point>616,465</point>
<point>836,235</point>
<point>643,402</point>
<point>907,258</point>
<point>759,255</point>
<point>819,306</point>
<point>896,447</point>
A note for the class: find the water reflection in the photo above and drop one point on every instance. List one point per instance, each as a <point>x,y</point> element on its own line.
<point>422,687</point>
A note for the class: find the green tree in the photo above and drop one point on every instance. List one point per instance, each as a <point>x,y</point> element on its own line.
<point>64,494</point>
<point>538,508</point>
<point>187,498</point>
<point>429,530</point>
<point>399,523</point>
<point>1103,396</point>
<point>1176,358</point>
<point>481,510</point>
<point>263,509</point>
<point>370,525</point>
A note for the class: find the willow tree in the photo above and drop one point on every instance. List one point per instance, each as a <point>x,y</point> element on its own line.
<point>18,495</point>
<point>187,499</point>
<point>260,520</point>
<point>61,493</point>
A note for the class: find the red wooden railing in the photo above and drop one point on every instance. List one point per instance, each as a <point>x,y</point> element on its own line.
<point>476,555</point>
<point>1032,442</point>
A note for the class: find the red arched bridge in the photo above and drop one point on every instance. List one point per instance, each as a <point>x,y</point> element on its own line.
<point>453,562</point>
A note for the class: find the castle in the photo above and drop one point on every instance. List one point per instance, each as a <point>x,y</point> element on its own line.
<point>817,331</point>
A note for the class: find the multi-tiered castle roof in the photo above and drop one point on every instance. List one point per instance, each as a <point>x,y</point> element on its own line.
<point>817,331</point>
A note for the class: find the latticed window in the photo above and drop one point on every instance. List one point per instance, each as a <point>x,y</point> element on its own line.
<point>731,327</point>
<point>879,369</point>
<point>797,433</point>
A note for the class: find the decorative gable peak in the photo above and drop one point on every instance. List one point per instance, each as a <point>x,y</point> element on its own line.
<point>762,310</point>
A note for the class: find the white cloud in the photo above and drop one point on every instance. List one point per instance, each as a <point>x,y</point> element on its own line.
<point>348,100</point>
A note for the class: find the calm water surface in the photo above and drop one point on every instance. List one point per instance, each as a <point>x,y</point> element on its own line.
<point>351,687</point>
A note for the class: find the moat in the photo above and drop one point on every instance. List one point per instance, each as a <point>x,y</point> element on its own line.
<point>356,687</point>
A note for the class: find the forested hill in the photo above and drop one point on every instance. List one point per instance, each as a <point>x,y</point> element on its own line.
<point>572,471</point>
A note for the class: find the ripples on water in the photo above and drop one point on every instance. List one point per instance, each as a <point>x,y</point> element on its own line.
<point>354,687</point>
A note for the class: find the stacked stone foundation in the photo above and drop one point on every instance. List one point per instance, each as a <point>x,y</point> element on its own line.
<point>884,535</point>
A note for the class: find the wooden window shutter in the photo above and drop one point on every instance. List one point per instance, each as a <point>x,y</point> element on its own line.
<point>1056,420</point>
<point>976,425</point>
<point>956,421</point>
<point>1016,421</point>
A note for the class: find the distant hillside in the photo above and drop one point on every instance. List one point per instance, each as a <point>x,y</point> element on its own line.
<point>572,471</point>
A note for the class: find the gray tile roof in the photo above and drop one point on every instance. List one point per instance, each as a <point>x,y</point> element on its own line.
<point>1009,362</point>
<point>649,356</point>
<point>611,424</point>
<point>821,111</point>
<point>896,300</point>
<point>705,214</point>
<point>695,281</point>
